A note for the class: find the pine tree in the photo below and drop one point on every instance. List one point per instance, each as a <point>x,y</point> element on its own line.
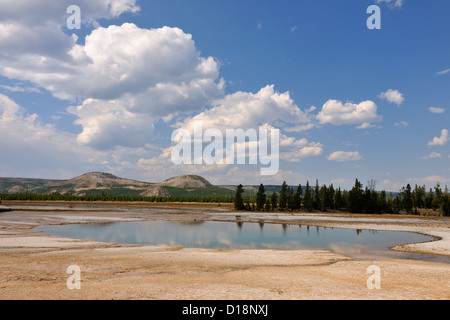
<point>238,201</point>
<point>338,200</point>
<point>370,201</point>
<point>356,198</point>
<point>323,191</point>
<point>298,198</point>
<point>389,204</point>
<point>429,199</point>
<point>329,203</point>
<point>308,200</point>
<point>445,206</point>
<point>268,205</point>
<point>438,197</point>
<point>418,197</point>
<point>261,198</point>
<point>382,202</point>
<point>407,202</point>
<point>397,205</point>
<point>274,201</point>
<point>317,196</point>
<point>283,196</point>
<point>290,198</point>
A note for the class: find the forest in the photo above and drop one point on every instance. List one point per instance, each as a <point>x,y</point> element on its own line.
<point>359,199</point>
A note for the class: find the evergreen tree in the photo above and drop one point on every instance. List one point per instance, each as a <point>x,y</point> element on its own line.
<point>407,202</point>
<point>397,205</point>
<point>438,197</point>
<point>356,198</point>
<point>367,196</point>
<point>317,196</point>
<point>390,204</point>
<point>308,199</point>
<point>339,201</point>
<point>345,199</point>
<point>445,206</point>
<point>382,202</point>
<point>268,205</point>
<point>329,203</point>
<point>371,198</point>
<point>261,198</point>
<point>298,198</point>
<point>290,198</point>
<point>370,201</point>
<point>429,199</point>
<point>238,201</point>
<point>323,191</point>
<point>274,201</point>
<point>418,197</point>
<point>283,196</point>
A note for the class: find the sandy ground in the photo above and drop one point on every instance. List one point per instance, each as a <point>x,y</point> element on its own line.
<point>34,265</point>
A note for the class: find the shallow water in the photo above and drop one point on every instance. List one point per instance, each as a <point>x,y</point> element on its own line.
<point>227,235</point>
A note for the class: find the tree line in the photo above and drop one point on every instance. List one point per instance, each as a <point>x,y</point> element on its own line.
<point>111,198</point>
<point>359,199</point>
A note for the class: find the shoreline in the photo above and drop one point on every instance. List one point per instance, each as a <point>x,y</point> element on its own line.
<point>225,274</point>
<point>439,246</point>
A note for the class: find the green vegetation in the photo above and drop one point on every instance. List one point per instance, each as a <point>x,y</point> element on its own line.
<point>208,192</point>
<point>122,194</point>
<point>359,199</point>
<point>110,198</point>
<point>261,198</point>
<point>238,201</point>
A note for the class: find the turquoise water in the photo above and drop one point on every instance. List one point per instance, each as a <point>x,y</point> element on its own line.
<point>227,235</point>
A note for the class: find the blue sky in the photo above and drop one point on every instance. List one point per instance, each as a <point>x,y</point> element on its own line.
<point>350,102</point>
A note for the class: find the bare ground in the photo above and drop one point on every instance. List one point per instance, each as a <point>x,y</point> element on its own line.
<point>33,265</point>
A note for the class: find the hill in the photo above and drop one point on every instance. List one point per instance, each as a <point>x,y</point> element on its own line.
<point>187,181</point>
<point>99,183</point>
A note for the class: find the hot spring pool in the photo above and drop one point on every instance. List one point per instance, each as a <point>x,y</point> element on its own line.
<point>227,235</point>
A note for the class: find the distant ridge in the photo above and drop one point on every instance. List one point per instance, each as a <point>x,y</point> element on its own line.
<point>98,183</point>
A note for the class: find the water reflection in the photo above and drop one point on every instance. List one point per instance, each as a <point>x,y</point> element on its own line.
<point>239,235</point>
<point>188,223</point>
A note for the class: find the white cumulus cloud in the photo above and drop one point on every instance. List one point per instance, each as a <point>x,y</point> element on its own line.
<point>337,113</point>
<point>433,155</point>
<point>342,156</point>
<point>391,3</point>
<point>244,110</point>
<point>441,73</point>
<point>436,110</point>
<point>401,124</point>
<point>392,96</point>
<point>31,148</point>
<point>440,141</point>
<point>125,75</point>
<point>107,124</point>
